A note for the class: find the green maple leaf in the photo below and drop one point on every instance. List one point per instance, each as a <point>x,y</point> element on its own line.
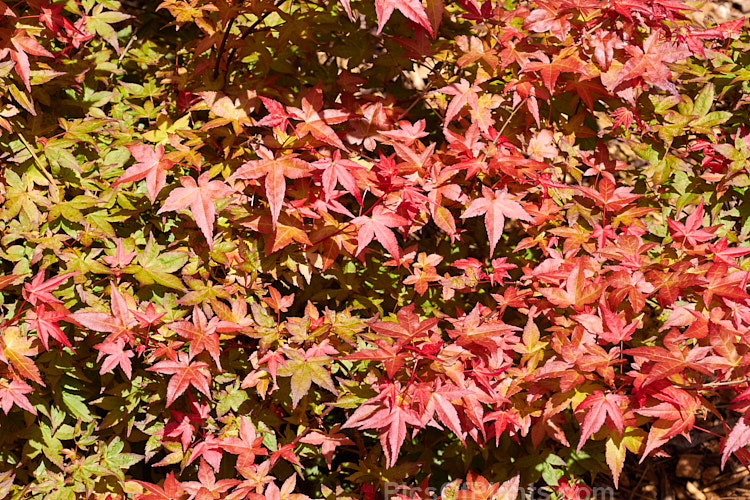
<point>156,267</point>
<point>306,371</point>
<point>100,21</point>
<point>116,461</point>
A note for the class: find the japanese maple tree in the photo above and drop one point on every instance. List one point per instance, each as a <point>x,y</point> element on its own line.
<point>303,249</point>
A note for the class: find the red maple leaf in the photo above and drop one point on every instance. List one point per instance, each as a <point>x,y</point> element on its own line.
<point>675,415</point>
<point>567,491</point>
<point>171,489</point>
<point>150,165</point>
<point>618,330</point>
<point>185,373</point>
<point>39,290</point>
<point>277,115</point>
<point>691,232</point>
<point>200,334</point>
<point>121,258</point>
<point>207,486</point>
<point>633,285</point>
<point>273,359</point>
<point>51,17</point>
<point>725,284</point>
<point>149,317</point>
<point>392,424</point>
<point>663,363</point>
<point>275,170</point>
<point>549,19</point>
<point>500,421</point>
<point>337,170</point>
<point>437,399</point>
<point>210,449</point>
<point>200,198</point>
<point>650,63</point>
<point>378,226</point>
<point>273,492</point>
<point>495,206</point>
<point>408,132</point>
<point>604,43</point>
<point>181,426</point>
<point>45,324</point>
<point>385,413</point>
<point>407,326</point>
<point>724,254</point>
<point>475,49</point>
<point>19,45</point>
<point>578,290</point>
<point>392,356</point>
<point>287,453</point>
<point>278,302</point>
<point>464,93</point>
<point>602,407</point>
<point>565,62</point>
<point>491,335</point>
<point>79,35</point>
<point>412,9</point>
<point>607,196</point>
<point>232,320</point>
<point>737,439</point>
<point>670,284</point>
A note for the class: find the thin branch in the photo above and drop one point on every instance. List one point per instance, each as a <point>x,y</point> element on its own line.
<point>711,385</point>
<point>222,45</point>
<point>125,50</point>
<point>502,129</point>
<point>246,33</point>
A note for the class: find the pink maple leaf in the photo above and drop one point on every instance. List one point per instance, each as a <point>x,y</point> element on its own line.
<point>495,206</point>
<point>116,355</point>
<point>275,170</point>
<point>200,198</point>
<point>151,165</point>
<point>378,226</point>
<point>14,392</point>
<point>464,93</point>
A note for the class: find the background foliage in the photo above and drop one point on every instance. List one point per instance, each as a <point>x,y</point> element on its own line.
<point>263,249</point>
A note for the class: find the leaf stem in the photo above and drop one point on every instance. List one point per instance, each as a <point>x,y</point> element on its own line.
<point>502,129</point>
<point>15,318</point>
<point>36,159</point>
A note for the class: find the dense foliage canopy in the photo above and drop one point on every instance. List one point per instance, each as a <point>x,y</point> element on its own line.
<point>271,250</point>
